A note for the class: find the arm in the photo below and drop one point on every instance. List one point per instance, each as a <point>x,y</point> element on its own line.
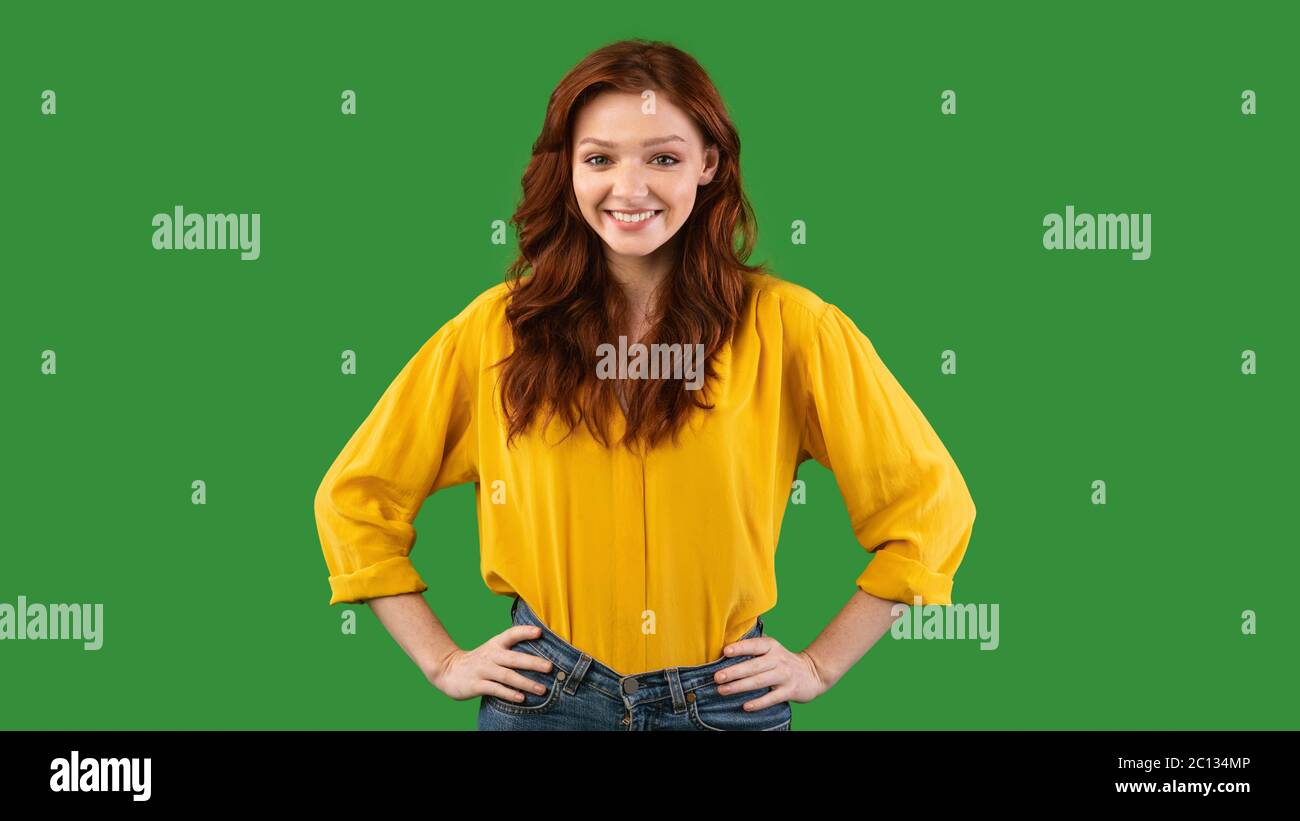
<point>413,625</point>
<point>807,674</point>
<point>908,505</point>
<point>418,439</point>
<point>486,670</point>
<point>848,637</point>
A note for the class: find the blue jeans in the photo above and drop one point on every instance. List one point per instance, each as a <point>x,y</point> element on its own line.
<point>583,694</point>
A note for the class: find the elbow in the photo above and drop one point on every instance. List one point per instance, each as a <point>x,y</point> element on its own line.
<point>961,501</point>
<point>323,499</point>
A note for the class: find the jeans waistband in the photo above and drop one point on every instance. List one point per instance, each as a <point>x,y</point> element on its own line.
<point>580,668</point>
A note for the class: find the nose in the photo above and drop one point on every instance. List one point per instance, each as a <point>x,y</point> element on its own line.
<point>629,183</point>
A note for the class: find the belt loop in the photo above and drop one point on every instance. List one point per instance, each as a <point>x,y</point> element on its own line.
<point>760,625</point>
<point>513,607</point>
<point>675,687</point>
<point>575,678</point>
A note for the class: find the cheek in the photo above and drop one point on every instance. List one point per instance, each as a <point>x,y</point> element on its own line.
<point>681,200</point>
<point>585,194</point>
<point>588,204</point>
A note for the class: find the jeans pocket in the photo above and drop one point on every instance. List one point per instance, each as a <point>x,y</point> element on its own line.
<point>710,710</point>
<point>533,702</point>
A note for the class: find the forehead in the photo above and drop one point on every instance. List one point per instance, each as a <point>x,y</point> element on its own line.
<point>618,116</point>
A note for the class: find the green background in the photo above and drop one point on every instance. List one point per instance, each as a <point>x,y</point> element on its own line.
<point>927,230</point>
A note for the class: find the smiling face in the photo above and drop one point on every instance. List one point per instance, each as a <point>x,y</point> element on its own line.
<point>635,174</point>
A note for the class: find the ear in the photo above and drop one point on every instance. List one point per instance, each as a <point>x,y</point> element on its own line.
<point>710,165</point>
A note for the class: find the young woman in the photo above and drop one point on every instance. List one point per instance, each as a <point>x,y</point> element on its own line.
<point>630,498</point>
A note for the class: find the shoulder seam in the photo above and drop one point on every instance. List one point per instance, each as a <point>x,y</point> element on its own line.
<point>771,285</point>
<point>478,303</point>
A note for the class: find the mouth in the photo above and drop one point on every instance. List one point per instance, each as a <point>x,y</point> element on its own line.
<point>632,220</point>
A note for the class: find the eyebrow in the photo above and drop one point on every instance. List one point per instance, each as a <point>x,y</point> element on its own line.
<point>645,144</point>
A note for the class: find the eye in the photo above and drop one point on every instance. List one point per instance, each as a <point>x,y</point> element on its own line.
<point>588,161</point>
<point>666,157</point>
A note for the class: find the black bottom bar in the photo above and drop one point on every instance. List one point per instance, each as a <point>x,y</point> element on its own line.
<point>364,769</point>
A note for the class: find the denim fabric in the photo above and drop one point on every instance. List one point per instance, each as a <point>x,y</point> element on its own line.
<point>583,694</point>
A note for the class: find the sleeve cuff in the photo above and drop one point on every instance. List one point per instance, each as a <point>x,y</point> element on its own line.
<point>386,578</point>
<point>898,578</point>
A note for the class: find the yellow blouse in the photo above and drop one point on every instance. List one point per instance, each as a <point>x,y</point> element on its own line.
<point>655,560</point>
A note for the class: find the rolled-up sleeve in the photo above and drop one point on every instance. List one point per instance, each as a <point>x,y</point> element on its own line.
<point>416,440</point>
<point>907,501</point>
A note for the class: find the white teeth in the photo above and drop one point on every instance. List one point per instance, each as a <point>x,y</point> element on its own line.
<point>641,217</point>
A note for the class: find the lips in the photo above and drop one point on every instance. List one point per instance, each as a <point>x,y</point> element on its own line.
<point>633,226</point>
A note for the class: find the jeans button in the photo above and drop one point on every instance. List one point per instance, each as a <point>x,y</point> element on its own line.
<point>630,686</point>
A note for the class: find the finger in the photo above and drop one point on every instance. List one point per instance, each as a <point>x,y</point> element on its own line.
<point>742,672</point>
<point>492,688</point>
<point>518,681</point>
<point>748,647</point>
<point>777,696</point>
<point>523,661</point>
<point>767,678</point>
<point>518,633</point>
<point>744,668</point>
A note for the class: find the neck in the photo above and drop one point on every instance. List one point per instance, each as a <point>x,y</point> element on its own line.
<point>640,276</point>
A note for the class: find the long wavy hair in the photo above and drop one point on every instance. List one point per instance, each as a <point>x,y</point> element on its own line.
<point>568,304</point>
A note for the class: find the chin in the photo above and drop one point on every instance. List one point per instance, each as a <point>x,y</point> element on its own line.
<point>633,249</point>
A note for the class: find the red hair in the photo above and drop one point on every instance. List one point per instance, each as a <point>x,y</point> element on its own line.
<point>569,305</point>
